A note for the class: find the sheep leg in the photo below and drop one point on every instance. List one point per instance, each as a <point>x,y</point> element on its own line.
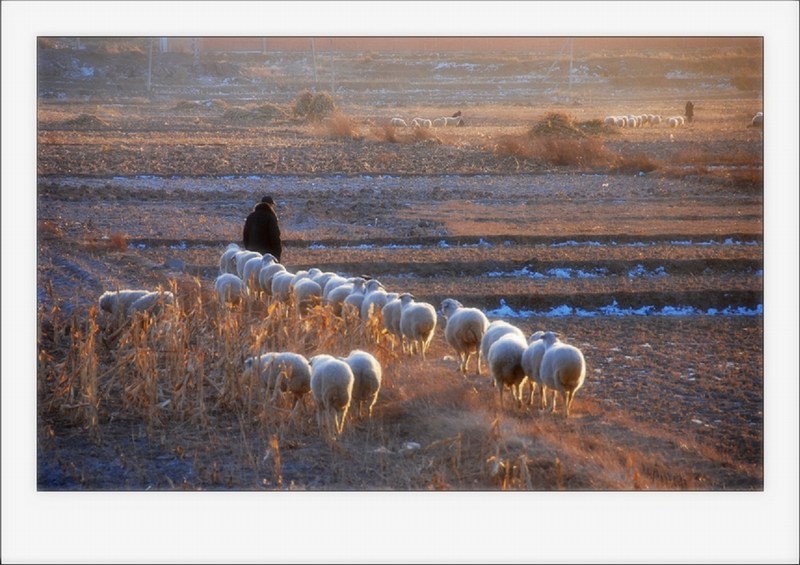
<point>479,361</point>
<point>568,396</point>
<point>542,397</point>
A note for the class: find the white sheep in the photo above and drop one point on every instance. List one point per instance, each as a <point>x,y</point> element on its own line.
<point>399,122</point>
<point>352,302</point>
<point>417,324</point>
<point>757,121</point>
<point>338,294</point>
<point>242,257</point>
<point>266,274</point>
<point>421,123</point>
<point>367,377</point>
<point>390,314</point>
<point>495,331</point>
<point>284,371</point>
<point>118,301</point>
<point>332,387</point>
<point>227,263</point>
<point>563,369</point>
<point>281,286</point>
<point>456,121</point>
<point>610,120</point>
<point>531,363</point>
<point>307,294</point>
<point>323,277</point>
<point>505,364</point>
<point>374,298</point>
<point>439,122</point>
<point>230,288</point>
<point>464,331</point>
<point>675,121</point>
<point>654,119</point>
<point>332,282</point>
<point>152,302</point>
<point>252,271</point>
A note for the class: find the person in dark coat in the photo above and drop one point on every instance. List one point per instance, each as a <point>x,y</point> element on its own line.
<point>689,111</point>
<point>261,230</point>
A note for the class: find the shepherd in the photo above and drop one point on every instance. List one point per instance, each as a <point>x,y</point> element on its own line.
<point>689,111</point>
<point>261,230</point>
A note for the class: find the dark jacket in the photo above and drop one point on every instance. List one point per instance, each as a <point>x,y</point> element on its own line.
<point>261,231</point>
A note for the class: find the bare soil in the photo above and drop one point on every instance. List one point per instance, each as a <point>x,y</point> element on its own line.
<point>148,191</point>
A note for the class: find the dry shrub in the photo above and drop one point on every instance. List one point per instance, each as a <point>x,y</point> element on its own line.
<point>314,107</point>
<point>423,134</point>
<point>49,229</point>
<point>514,146</point>
<point>636,163</point>
<point>341,126</point>
<point>585,152</point>
<point>556,124</point>
<point>119,241</point>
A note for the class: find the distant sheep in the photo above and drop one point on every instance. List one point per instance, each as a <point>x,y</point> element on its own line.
<point>230,288</point>
<point>332,387</point>
<point>563,369</point>
<point>417,324</point>
<point>399,122</point>
<point>464,331</point>
<point>118,301</point>
<point>421,123</point>
<point>757,121</point>
<point>505,364</point>
<point>675,121</point>
<point>454,121</point>
<point>439,122</point>
<point>367,376</point>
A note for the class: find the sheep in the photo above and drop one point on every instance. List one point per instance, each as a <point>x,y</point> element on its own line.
<point>230,288</point>
<point>374,298</point>
<point>675,121</point>
<point>266,274</point>
<point>417,324</point>
<point>505,364</point>
<point>352,302</point>
<point>610,120</point>
<point>454,121</point>
<point>332,282</point>
<point>563,369</point>
<point>252,270</point>
<point>464,329</point>
<point>439,122</point>
<point>421,123</point>
<point>495,331</point>
<point>654,119</point>
<point>226,260</point>
<point>281,285</point>
<point>118,301</point>
<point>367,376</point>
<point>332,387</point>
<point>323,277</point>
<point>307,294</point>
<point>338,294</point>
<point>242,257</point>
<point>531,363</point>
<point>390,314</point>
<point>285,371</point>
<point>399,122</point>
<point>152,302</point>
<point>757,121</point>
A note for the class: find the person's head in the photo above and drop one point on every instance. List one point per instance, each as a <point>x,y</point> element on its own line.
<point>268,200</point>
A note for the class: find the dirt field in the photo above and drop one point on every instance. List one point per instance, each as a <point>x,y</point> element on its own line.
<point>641,246</point>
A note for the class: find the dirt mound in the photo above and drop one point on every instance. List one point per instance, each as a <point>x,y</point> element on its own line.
<point>85,121</point>
<point>263,113</point>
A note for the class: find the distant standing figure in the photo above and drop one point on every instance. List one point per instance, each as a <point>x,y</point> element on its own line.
<point>689,111</point>
<point>261,230</point>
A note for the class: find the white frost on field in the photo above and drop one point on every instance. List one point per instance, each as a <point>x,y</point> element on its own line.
<point>558,273</point>
<point>613,309</point>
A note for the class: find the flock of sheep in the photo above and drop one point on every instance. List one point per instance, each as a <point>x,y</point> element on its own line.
<point>445,121</point>
<point>337,383</point>
<point>637,121</point>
